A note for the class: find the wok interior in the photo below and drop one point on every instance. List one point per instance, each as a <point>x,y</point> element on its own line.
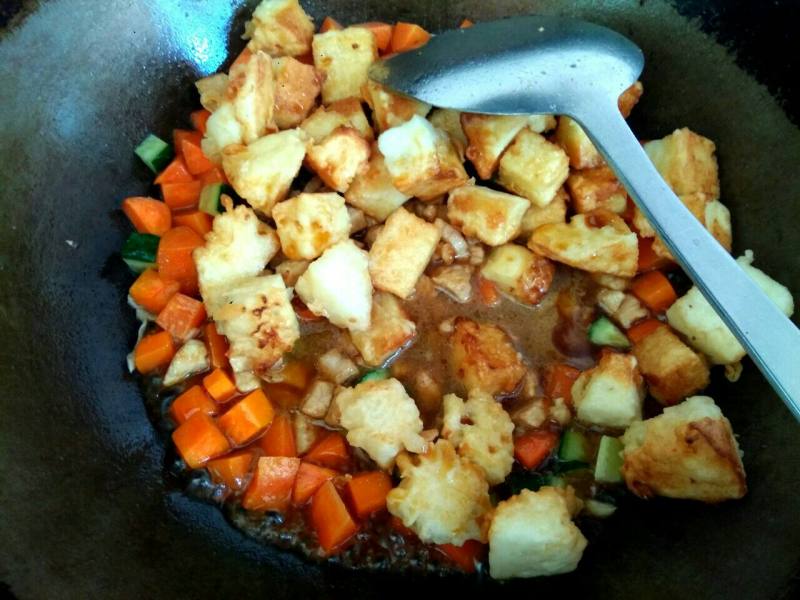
<point>87,507</point>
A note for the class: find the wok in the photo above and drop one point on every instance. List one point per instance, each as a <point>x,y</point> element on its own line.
<point>87,510</point>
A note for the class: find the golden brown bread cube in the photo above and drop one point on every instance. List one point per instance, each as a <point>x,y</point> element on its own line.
<point>596,188</point>
<point>533,168</point>
<point>488,137</point>
<point>297,86</point>
<point>536,216</point>
<point>580,149</point>
<point>673,371</point>
<point>344,57</point>
<point>483,358</point>
<point>481,212</point>
<point>630,98</point>
<point>449,121</point>
<point>689,451</point>
<point>373,191</point>
<point>343,113</point>
<point>519,272</point>
<point>308,224</point>
<point>686,161</point>
<point>339,158</point>
<point>390,329</point>
<point>390,109</point>
<point>279,28</point>
<point>401,252</point>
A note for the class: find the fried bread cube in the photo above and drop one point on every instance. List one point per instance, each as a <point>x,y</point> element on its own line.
<point>519,272</point>
<point>373,191</point>
<point>596,188</point>
<point>390,330</point>
<point>339,158</point>
<point>390,109</point>
<point>308,224</point>
<point>610,394</point>
<point>533,168</point>
<point>686,161</point>
<point>279,28</point>
<point>580,149</point>
<point>536,216</point>
<point>493,217</point>
<point>343,57</point>
<point>297,86</point>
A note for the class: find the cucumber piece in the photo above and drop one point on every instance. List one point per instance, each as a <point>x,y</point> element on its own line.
<point>599,509</point>
<point>573,447</point>
<point>604,333</point>
<point>554,481</point>
<point>154,152</point>
<point>139,251</point>
<point>375,375</point>
<point>210,198</point>
<point>609,460</point>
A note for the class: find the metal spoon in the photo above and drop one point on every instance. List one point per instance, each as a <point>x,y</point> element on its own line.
<point>552,65</point>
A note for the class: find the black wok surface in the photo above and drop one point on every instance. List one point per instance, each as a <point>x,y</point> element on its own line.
<point>85,509</point>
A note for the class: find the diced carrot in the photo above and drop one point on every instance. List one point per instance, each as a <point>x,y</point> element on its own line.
<point>467,556</point>
<point>232,470</point>
<point>215,175</point>
<point>407,36</point>
<point>181,135</point>
<point>191,401</point>
<point>248,418</point>
<point>196,220</point>
<point>243,57</point>
<point>330,451</point>
<point>279,439</point>
<point>397,524</point>
<point>148,215</point>
<point>531,449</point>
<point>182,316</point>
<point>199,118</point>
<point>655,290</point>
<point>642,329</point>
<point>181,195</point>
<point>285,396</point>
<point>368,491</point>
<point>330,24</point>
<point>466,24</point>
<point>382,32</point>
<point>330,519</point>
<point>176,172</point>
<point>309,479</point>
<point>487,291</point>
<point>648,259</point>
<point>217,347</point>
<point>558,381</point>
<point>219,386</point>
<point>196,160</point>
<point>174,257</point>
<point>154,351</point>
<point>272,484</point>
<point>296,373</point>
<point>152,292</point>
<point>198,440</point>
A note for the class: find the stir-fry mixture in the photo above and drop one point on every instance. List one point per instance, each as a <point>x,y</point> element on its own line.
<point>400,336</point>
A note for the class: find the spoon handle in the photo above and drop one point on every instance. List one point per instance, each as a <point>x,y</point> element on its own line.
<point>770,338</point>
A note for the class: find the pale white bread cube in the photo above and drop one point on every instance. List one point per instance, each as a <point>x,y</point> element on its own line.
<point>390,109</point>
<point>580,149</point>
<point>336,366</point>
<point>421,159</point>
<point>624,308</point>
<point>536,216</point>
<point>598,242</point>
<point>212,90</point>
<point>442,497</point>
<point>344,113</point>
<point>689,451</point>
<point>704,330</point>
<point>358,220</point>
<point>389,331</point>
<point>401,252</point>
<point>519,272</point>
<point>686,161</point>
<point>246,111</point>
<point>596,188</point>
<point>489,135</point>
<point>279,28</point>
<point>373,191</point>
<point>480,429</point>
<point>491,216</point>
<point>309,224</point>
<point>449,121</point>
<point>238,246</point>
<point>343,57</point>
<point>263,171</point>
<point>533,168</point>
<point>257,317</point>
<point>610,394</point>
<point>339,158</point>
<point>190,359</point>
<point>297,86</point>
<point>291,270</point>
<point>671,369</point>
<point>612,282</point>
<point>532,534</point>
<point>455,281</point>
<point>318,398</point>
<point>337,286</point>
<point>381,419</point>
<point>482,357</point>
